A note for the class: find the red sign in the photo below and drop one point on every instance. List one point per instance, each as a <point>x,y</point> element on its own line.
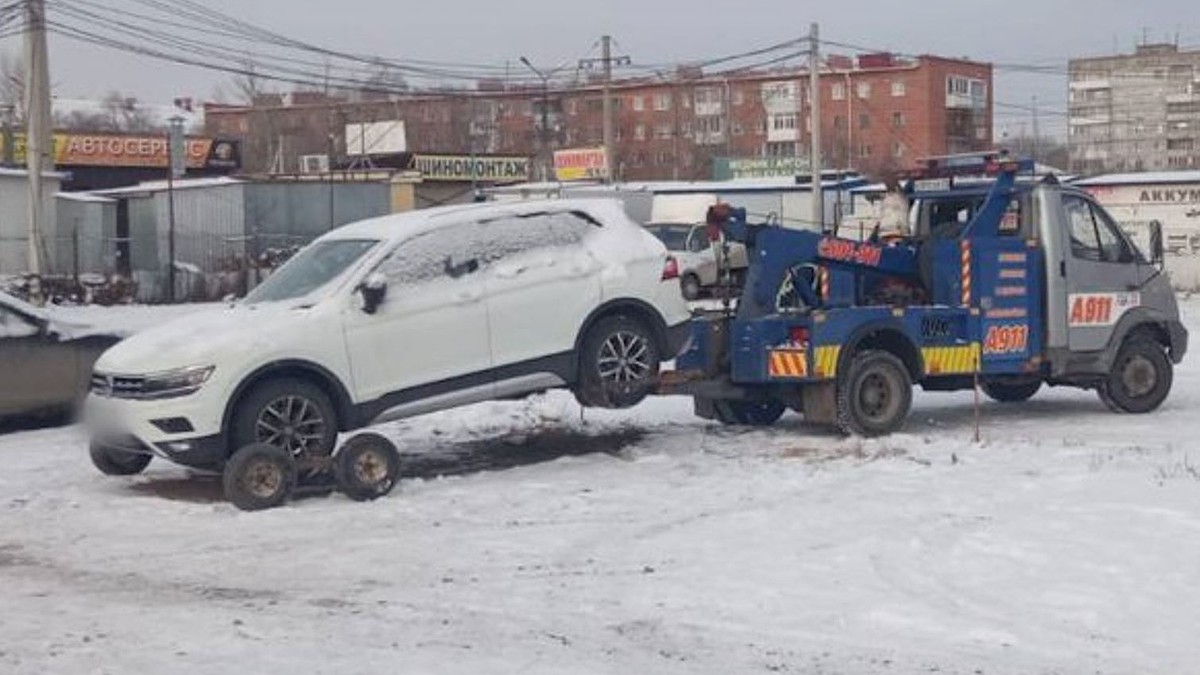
<point>1009,339</point>
<point>844,250</point>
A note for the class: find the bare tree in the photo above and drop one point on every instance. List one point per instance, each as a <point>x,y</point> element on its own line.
<point>115,113</point>
<point>12,85</point>
<point>248,87</point>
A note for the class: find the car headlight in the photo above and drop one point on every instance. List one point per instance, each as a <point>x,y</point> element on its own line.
<point>167,384</point>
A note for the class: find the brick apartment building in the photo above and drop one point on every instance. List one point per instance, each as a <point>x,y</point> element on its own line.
<point>878,112</point>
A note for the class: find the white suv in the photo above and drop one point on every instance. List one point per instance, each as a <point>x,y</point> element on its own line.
<point>393,317</point>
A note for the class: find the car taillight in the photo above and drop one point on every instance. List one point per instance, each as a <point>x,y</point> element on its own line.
<point>670,269</point>
<point>798,335</point>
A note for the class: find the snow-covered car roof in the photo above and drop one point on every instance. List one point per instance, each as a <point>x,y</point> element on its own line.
<point>66,327</point>
<point>408,224</point>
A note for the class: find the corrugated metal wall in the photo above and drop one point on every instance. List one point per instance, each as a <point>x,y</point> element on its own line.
<point>86,236</point>
<point>279,215</point>
<point>14,219</point>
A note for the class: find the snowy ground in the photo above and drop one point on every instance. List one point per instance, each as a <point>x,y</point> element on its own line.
<point>642,542</point>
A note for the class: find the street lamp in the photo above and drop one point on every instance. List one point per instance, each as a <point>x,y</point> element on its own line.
<point>176,167</point>
<point>544,132</point>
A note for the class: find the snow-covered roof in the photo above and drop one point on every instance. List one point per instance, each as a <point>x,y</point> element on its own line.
<point>161,186</point>
<point>22,173</point>
<point>1142,178</point>
<point>84,197</point>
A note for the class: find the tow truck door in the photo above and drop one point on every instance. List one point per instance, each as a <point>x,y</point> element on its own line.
<point>1102,274</point>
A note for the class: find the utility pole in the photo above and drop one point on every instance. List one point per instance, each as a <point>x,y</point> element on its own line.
<point>607,61</point>
<point>609,157</point>
<point>814,98</point>
<point>39,143</point>
<point>176,166</point>
<point>545,159</point>
<point>1037,141</point>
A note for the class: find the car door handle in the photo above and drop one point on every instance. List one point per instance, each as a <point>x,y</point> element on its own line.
<point>468,295</point>
<point>509,271</point>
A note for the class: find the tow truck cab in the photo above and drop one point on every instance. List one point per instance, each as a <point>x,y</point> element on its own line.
<point>1096,284</point>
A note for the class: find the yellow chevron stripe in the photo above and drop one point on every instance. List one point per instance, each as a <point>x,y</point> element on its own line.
<point>827,360</point>
<point>951,360</point>
<point>787,363</point>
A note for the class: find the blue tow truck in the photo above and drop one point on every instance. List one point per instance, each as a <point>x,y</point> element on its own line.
<point>1007,282</point>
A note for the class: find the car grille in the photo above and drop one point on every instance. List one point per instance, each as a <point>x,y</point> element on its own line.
<point>117,386</point>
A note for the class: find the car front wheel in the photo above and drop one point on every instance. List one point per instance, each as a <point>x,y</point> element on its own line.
<point>618,364</point>
<point>290,414</point>
<point>114,462</point>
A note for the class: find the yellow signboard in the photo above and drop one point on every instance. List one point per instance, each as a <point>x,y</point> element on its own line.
<point>464,168</point>
<point>581,164</point>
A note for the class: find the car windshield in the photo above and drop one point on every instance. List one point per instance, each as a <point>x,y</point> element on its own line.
<point>316,265</point>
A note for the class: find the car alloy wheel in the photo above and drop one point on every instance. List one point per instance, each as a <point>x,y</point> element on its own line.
<point>292,423</point>
<point>624,358</point>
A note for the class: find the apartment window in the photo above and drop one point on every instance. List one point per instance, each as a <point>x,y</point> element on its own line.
<point>898,149</point>
<point>839,91</point>
<point>780,150</point>
<point>739,98</point>
<point>778,91</point>
<point>662,131</point>
<point>864,90</point>
<point>864,150</point>
<point>637,159</point>
<point>665,159</point>
<point>864,121</point>
<point>898,121</point>
<point>782,122</point>
<point>639,132</point>
<point>709,124</point>
<point>662,102</point>
<point>572,107</point>
<point>639,103</point>
<point>685,129</point>
<point>595,105</point>
<point>899,89</point>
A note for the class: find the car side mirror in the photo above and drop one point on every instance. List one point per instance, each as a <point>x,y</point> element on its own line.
<point>373,290</point>
<point>1157,252</point>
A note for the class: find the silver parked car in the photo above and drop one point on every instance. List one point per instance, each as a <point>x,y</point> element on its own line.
<point>46,362</point>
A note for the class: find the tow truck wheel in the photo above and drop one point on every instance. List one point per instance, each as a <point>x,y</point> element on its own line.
<point>113,462</point>
<point>1141,377</point>
<point>874,396</point>
<point>368,467</point>
<point>748,413</point>
<point>259,476</point>
<point>1011,392</point>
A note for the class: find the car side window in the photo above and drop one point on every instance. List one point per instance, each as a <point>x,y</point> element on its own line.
<point>510,236</point>
<point>441,253</point>
<point>13,325</point>
<point>567,228</point>
<point>1094,236</point>
<point>1081,227</point>
<point>1113,245</point>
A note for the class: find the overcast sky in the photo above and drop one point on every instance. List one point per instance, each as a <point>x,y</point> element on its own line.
<point>1044,32</point>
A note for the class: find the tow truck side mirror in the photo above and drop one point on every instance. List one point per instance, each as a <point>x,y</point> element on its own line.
<point>1156,242</point>
<point>373,290</point>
